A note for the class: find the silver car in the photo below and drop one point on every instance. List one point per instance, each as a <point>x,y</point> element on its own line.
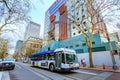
<point>7,63</point>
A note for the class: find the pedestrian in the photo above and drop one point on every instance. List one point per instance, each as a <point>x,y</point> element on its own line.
<point>81,61</point>
<point>84,62</point>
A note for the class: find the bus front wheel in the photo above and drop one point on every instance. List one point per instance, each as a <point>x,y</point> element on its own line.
<point>51,67</point>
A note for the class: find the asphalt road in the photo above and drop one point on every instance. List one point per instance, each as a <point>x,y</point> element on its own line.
<point>23,71</point>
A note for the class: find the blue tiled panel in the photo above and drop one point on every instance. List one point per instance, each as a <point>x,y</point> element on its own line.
<point>76,40</point>
<point>55,6</point>
<point>97,39</point>
<point>52,44</point>
<point>79,40</point>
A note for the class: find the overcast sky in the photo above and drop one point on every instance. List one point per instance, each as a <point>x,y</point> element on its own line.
<point>39,7</point>
<point>38,11</point>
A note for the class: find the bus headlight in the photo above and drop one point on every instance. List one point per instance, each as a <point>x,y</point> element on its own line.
<point>77,64</point>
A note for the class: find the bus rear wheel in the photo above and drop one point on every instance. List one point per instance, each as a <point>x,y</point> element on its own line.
<point>51,67</point>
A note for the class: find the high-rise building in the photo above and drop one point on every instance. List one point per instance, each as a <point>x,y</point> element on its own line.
<point>18,45</point>
<point>32,30</point>
<point>61,17</point>
<point>56,21</point>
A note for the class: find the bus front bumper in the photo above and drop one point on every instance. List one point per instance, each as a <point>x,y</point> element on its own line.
<point>68,69</point>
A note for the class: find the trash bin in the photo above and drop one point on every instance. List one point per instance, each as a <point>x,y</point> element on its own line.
<point>115,67</point>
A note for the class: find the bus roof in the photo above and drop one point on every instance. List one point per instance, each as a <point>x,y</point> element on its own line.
<point>51,51</point>
<point>41,53</point>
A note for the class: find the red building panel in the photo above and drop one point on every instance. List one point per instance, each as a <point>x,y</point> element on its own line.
<point>63,27</point>
<point>52,18</point>
<point>62,9</point>
<point>52,26</point>
<point>52,22</point>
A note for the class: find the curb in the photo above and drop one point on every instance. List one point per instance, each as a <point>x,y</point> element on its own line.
<point>101,69</point>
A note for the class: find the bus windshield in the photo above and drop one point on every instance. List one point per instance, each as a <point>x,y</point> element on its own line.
<point>71,58</point>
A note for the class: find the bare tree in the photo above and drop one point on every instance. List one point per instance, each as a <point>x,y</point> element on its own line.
<point>91,18</point>
<point>14,12</point>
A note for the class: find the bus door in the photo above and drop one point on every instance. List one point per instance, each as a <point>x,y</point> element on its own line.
<point>58,59</point>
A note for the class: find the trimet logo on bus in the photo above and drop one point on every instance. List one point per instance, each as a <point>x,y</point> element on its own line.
<point>64,49</point>
<point>69,51</point>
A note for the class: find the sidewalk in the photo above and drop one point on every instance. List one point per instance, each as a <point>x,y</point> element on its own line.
<point>4,75</point>
<point>103,67</point>
<point>1,75</point>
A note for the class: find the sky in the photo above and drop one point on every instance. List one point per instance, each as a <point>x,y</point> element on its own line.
<point>37,14</point>
<point>38,11</point>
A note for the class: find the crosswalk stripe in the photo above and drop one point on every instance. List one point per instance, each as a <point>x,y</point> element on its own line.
<point>85,72</point>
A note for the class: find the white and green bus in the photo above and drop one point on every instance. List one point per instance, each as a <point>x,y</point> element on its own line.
<point>61,59</point>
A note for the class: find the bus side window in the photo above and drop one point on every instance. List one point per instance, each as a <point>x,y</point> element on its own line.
<point>74,57</point>
<point>42,57</point>
<point>46,57</point>
<point>52,56</point>
<point>63,58</point>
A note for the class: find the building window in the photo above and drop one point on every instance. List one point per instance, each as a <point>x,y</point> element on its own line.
<point>79,32</point>
<point>83,16</point>
<point>79,51</point>
<point>77,7</point>
<point>73,27</point>
<point>84,44</point>
<point>85,30</point>
<point>77,45</point>
<point>71,46</point>
<point>73,33</point>
<point>78,25</point>
<point>93,42</point>
<point>96,49</point>
<point>77,13</point>
<point>84,23</point>
<point>73,10</point>
<point>82,9</point>
<point>77,1</point>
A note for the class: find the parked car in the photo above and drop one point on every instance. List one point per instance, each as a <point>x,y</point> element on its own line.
<point>0,64</point>
<point>7,63</point>
<point>25,60</point>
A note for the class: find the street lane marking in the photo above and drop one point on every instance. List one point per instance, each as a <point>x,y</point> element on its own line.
<point>18,66</point>
<point>101,76</point>
<point>38,74</point>
<point>85,72</point>
<point>41,76</point>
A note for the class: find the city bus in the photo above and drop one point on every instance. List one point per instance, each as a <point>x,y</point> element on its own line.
<point>61,59</point>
